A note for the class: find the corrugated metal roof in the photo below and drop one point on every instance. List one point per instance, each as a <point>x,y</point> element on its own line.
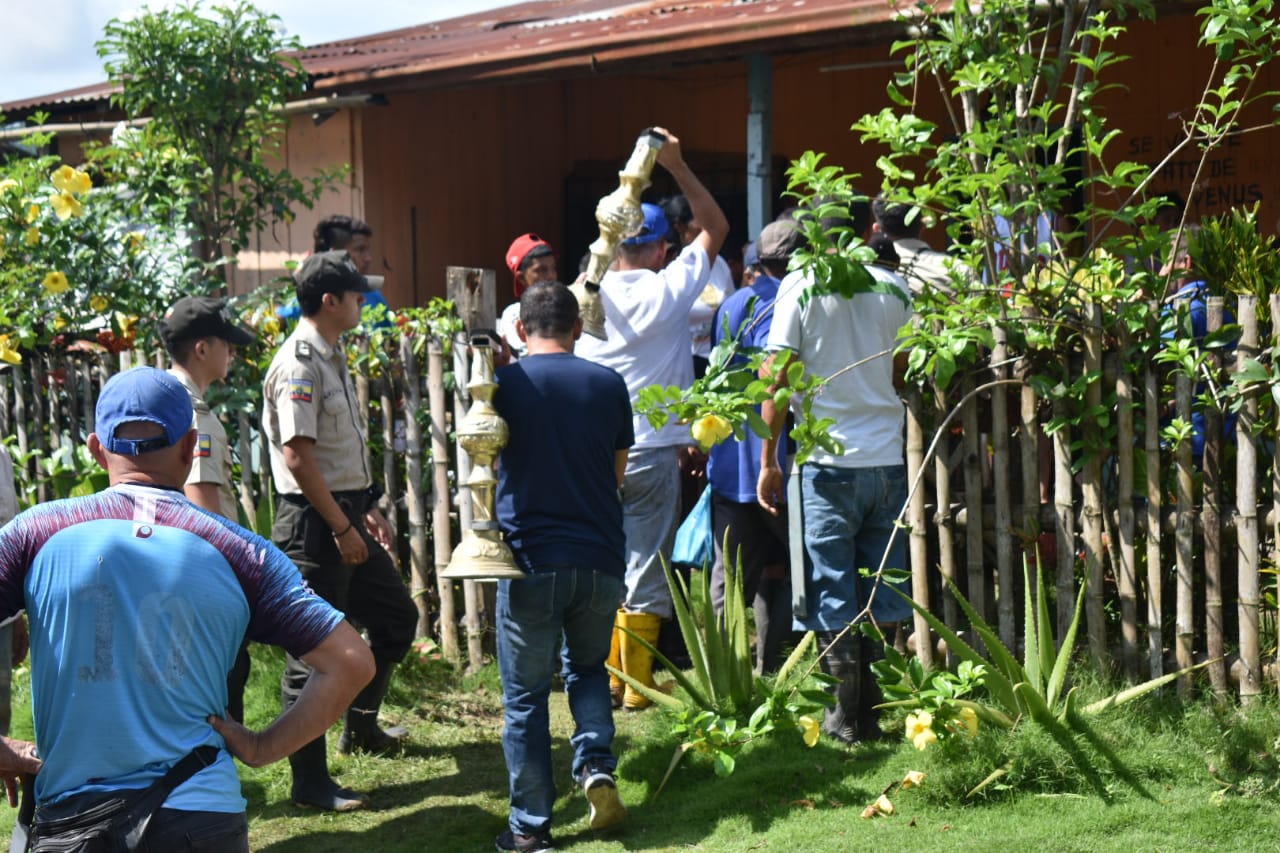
<point>588,36</point>
<point>566,37</point>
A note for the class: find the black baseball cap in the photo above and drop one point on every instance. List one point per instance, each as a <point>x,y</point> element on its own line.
<point>193,317</point>
<point>329,272</point>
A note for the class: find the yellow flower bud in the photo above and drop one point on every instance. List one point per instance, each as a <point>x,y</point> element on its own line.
<point>98,303</point>
<point>8,184</point>
<point>8,352</point>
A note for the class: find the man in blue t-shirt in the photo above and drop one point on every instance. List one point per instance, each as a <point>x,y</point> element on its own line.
<point>137,601</point>
<point>570,430</point>
<point>733,466</point>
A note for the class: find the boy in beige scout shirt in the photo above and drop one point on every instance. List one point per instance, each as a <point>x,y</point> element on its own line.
<point>327,521</point>
<point>201,338</point>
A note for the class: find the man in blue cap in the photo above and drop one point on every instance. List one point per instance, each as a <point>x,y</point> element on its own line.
<point>646,307</point>
<point>137,602</point>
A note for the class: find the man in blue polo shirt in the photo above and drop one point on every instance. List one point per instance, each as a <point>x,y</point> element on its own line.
<point>137,602</point>
<point>570,427</point>
<point>733,466</point>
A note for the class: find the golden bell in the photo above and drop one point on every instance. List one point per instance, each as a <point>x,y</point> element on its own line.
<point>482,555</point>
<point>619,216</point>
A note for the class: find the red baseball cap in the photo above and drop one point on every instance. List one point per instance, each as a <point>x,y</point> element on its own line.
<point>520,249</point>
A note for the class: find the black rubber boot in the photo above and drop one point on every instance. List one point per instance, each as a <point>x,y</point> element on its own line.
<point>868,723</point>
<point>361,732</point>
<point>842,662</point>
<point>314,788</point>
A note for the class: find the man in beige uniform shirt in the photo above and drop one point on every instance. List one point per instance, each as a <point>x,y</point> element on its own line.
<point>201,338</point>
<point>327,521</point>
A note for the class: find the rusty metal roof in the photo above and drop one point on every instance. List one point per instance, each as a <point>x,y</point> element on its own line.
<point>588,37</point>
<point>542,38</point>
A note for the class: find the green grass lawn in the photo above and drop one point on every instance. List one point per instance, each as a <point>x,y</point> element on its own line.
<point>448,792</point>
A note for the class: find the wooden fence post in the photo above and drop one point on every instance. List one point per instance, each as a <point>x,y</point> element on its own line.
<point>471,594</point>
<point>415,498</point>
<point>1126,571</point>
<point>440,523</point>
<point>1247,510</point>
<point>1184,624</point>
<point>1091,489</point>
<point>945,523</point>
<point>975,563</point>
<point>916,520</point>
<point>1151,450</point>
<point>1006,600</point>
<point>1211,511</point>
<point>1064,522</point>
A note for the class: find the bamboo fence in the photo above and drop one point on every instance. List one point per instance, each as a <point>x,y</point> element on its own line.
<point>1127,521</point>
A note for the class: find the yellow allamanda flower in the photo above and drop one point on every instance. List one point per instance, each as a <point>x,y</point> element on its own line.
<point>33,236</point>
<point>920,729</point>
<point>55,283</point>
<point>809,729</point>
<point>8,352</point>
<point>65,206</point>
<point>7,184</point>
<point>98,303</point>
<point>710,430</point>
<point>67,179</point>
<point>271,324</point>
<point>969,719</point>
<point>59,323</point>
<point>33,213</point>
<point>913,779</point>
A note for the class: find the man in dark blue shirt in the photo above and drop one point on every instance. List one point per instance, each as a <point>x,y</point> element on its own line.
<point>570,427</point>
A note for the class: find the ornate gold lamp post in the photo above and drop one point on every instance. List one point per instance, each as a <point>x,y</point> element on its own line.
<point>482,433</point>
<point>619,216</point>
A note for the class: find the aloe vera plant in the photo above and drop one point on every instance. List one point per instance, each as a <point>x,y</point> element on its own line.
<point>1034,689</point>
<point>722,704</point>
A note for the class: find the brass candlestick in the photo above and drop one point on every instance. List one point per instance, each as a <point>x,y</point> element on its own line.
<point>482,433</point>
<point>619,216</point>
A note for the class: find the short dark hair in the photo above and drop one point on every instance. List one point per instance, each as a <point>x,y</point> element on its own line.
<point>892,217</point>
<point>337,231</point>
<point>548,309</point>
<point>677,209</point>
<point>180,351</point>
<point>857,216</point>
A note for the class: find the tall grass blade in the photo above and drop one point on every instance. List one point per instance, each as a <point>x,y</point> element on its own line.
<point>1131,693</point>
<point>688,628</point>
<point>1044,625</point>
<point>697,695</point>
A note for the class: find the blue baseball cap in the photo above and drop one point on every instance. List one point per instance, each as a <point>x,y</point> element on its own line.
<point>142,394</point>
<point>655,226</point>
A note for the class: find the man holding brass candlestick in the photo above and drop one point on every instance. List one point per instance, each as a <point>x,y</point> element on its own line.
<point>559,511</point>
<point>647,341</point>
<point>327,520</point>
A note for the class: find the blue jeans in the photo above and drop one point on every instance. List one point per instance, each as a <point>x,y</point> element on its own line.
<point>849,517</point>
<point>533,614</point>
<point>650,516</point>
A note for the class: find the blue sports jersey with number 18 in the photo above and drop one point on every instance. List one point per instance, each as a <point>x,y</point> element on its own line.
<point>137,602</point>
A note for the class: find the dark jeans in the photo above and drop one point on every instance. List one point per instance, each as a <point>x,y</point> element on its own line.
<point>556,603</point>
<point>371,594</point>
<point>762,540</point>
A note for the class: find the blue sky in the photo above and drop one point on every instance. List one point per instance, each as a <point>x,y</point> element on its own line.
<point>48,46</point>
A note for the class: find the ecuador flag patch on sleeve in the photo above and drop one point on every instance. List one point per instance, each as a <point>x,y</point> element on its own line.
<point>300,389</point>
<point>204,445</point>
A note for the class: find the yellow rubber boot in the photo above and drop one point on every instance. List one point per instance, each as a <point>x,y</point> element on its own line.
<point>616,685</point>
<point>637,661</point>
